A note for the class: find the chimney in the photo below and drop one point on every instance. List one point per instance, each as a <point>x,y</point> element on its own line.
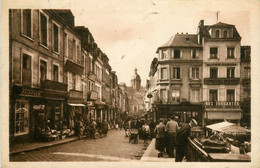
<point>201,23</point>
<point>186,32</point>
<point>181,32</point>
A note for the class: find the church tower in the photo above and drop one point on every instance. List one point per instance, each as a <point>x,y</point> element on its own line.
<point>136,81</point>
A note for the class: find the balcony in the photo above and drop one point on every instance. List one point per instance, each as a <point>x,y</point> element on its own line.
<point>76,94</point>
<point>53,85</point>
<point>221,81</point>
<point>221,104</point>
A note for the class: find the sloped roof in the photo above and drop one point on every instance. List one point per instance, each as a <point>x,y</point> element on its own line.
<point>182,40</point>
<point>220,24</point>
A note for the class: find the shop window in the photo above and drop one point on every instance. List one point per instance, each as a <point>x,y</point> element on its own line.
<point>55,73</point>
<point>43,70</point>
<point>230,72</point>
<point>57,113</point>
<point>213,52</point>
<point>176,73</point>
<point>213,95</point>
<point>195,95</point>
<point>163,73</point>
<point>176,95</point>
<point>55,38</point>
<point>27,22</point>
<point>230,52</point>
<point>21,117</point>
<point>43,29</point>
<point>230,95</point>
<point>213,72</point>
<point>195,72</point>
<point>177,53</point>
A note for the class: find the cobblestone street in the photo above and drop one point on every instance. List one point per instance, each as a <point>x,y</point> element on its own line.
<point>114,147</point>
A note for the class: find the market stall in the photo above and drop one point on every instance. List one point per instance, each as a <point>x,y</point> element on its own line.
<point>223,141</point>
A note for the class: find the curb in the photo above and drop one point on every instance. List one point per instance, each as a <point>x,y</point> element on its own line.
<point>43,146</point>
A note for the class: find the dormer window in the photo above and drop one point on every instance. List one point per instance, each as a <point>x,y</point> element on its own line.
<point>217,33</point>
<point>225,34</point>
<point>164,54</point>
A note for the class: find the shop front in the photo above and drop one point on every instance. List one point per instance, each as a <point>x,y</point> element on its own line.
<point>35,112</point>
<point>184,111</point>
<point>22,102</point>
<point>76,110</point>
<point>218,111</point>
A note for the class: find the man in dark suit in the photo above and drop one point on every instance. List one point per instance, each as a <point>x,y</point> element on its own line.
<point>182,139</point>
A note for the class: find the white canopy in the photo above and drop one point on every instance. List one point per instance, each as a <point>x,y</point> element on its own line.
<point>228,127</point>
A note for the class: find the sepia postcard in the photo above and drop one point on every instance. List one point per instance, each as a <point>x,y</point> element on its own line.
<point>116,83</point>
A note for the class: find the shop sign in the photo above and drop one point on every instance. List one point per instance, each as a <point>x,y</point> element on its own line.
<point>93,95</point>
<point>90,103</point>
<point>30,93</point>
<point>149,96</point>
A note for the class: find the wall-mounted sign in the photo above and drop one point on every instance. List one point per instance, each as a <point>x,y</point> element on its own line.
<point>30,93</point>
<point>93,95</point>
<point>149,96</point>
<point>90,103</point>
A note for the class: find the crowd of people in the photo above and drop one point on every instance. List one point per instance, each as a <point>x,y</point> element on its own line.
<point>171,136</point>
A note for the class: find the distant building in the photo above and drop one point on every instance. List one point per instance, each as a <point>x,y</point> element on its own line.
<point>136,95</point>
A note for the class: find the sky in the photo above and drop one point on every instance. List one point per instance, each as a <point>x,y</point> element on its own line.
<point>130,32</point>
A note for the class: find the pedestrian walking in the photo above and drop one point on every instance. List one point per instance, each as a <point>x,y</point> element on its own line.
<point>93,128</point>
<point>182,139</point>
<point>171,129</point>
<point>146,132</point>
<point>104,127</point>
<point>160,137</point>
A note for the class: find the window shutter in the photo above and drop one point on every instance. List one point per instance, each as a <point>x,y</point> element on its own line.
<point>197,53</point>
<point>180,53</point>
<point>190,73</point>
<point>200,73</point>
<point>191,51</point>
<point>180,69</point>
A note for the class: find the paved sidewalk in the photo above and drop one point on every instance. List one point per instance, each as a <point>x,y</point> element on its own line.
<point>30,146</point>
<point>151,154</point>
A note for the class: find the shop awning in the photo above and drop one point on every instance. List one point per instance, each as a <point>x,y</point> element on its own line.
<point>76,105</point>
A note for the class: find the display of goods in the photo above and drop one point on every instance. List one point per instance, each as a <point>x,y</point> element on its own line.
<point>211,142</point>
